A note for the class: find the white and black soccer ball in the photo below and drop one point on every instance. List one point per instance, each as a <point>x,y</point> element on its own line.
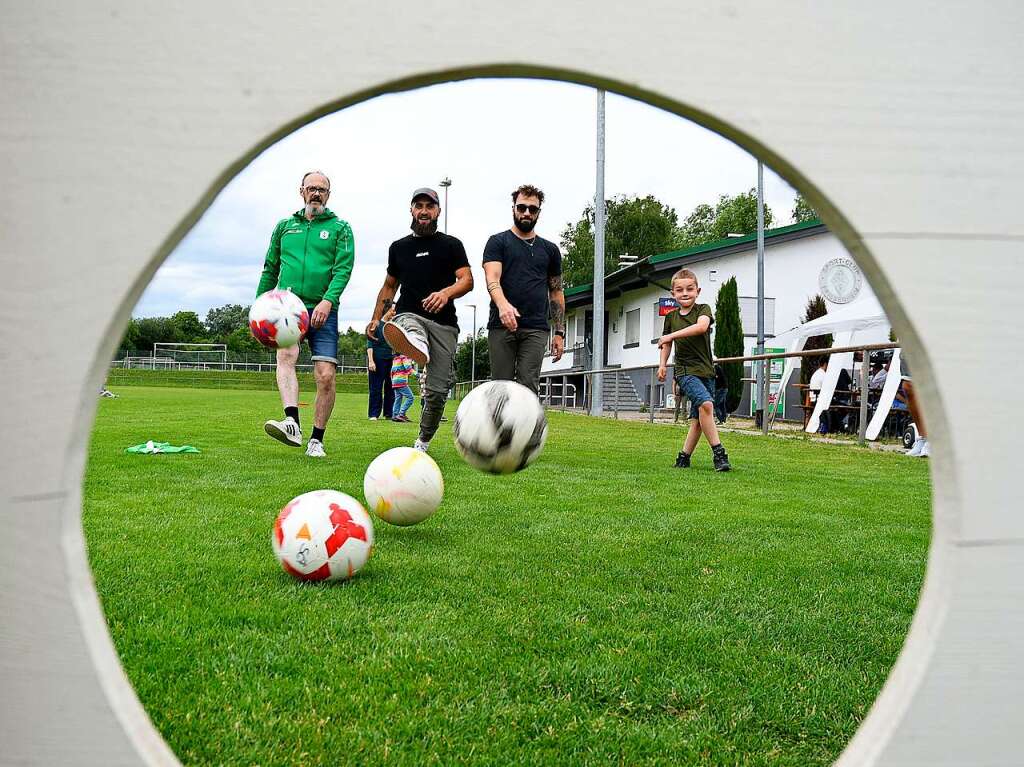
<point>500,427</point>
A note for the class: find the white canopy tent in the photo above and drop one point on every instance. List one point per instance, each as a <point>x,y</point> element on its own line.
<point>863,321</point>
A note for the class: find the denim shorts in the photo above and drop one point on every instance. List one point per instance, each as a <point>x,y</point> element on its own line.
<point>323,341</point>
<point>698,390</point>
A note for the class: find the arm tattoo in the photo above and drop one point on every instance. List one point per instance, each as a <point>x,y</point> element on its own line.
<point>558,315</point>
<point>555,283</point>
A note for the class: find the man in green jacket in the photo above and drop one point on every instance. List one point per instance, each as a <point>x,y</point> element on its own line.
<point>311,253</point>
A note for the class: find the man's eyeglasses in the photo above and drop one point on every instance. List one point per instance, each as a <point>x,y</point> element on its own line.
<point>317,190</point>
<point>533,209</point>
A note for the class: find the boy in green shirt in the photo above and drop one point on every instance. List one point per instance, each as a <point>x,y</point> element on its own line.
<point>688,328</point>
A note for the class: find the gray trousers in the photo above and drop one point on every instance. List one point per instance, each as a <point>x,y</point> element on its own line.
<point>517,355</point>
<point>439,374</point>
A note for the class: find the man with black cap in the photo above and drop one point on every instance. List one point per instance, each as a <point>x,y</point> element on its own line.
<point>432,270</point>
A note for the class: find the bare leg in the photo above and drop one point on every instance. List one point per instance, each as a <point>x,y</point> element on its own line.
<point>324,372</point>
<point>915,408</point>
<point>287,381</point>
<point>692,436</point>
<point>707,423</point>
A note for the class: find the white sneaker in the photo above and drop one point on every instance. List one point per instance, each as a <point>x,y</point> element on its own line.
<point>406,337</point>
<point>917,447</point>
<point>286,431</point>
<point>315,449</point>
<point>420,445</point>
<point>926,450</point>
<point>373,418</point>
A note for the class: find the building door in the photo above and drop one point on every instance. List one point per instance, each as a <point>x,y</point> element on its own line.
<point>588,336</point>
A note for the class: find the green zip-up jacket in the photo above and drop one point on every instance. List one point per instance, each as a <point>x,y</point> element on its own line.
<point>312,258</point>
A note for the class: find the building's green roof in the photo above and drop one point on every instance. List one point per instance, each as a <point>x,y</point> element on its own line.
<point>707,247</point>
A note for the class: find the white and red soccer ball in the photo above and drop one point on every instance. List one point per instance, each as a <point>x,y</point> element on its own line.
<point>403,486</point>
<point>278,319</point>
<point>323,536</point>
<point>500,427</point>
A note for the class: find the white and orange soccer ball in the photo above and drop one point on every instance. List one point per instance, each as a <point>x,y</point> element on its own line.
<point>500,427</point>
<point>323,536</point>
<point>278,319</point>
<point>403,486</point>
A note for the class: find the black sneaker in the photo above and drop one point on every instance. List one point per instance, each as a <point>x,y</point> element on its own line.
<point>682,461</point>
<point>721,460</point>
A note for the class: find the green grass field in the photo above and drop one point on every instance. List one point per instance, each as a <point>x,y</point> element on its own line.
<point>600,607</point>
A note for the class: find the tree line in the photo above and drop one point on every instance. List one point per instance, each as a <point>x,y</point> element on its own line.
<point>645,226</point>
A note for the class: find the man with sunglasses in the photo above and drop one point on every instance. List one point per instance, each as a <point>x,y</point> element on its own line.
<point>524,279</point>
<point>311,254</point>
<point>432,269</point>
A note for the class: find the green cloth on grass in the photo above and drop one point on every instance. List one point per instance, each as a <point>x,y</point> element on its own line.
<point>161,447</point>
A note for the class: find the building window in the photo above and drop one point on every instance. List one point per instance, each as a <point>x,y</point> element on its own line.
<point>632,329</point>
<point>748,315</point>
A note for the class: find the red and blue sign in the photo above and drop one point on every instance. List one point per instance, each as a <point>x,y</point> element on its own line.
<point>666,305</point>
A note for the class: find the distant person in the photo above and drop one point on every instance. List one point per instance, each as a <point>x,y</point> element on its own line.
<point>687,328</point>
<point>920,448</point>
<point>524,279</point>
<point>432,270</point>
<point>402,369</point>
<point>378,369</point>
<point>814,391</point>
<point>877,380</point>
<point>311,253</point>
<point>721,394</point>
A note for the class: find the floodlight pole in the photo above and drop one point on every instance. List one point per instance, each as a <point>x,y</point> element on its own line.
<point>596,389</point>
<point>762,375</point>
<point>446,182</point>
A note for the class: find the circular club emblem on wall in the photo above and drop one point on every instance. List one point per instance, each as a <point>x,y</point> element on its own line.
<point>840,280</point>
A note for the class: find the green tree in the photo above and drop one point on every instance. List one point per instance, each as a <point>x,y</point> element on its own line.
<point>729,340</point>
<point>240,341</point>
<point>464,358</point>
<point>815,308</point>
<point>730,215</point>
<point>802,211</point>
<point>189,328</point>
<point>352,343</point>
<point>153,330</point>
<point>638,226</point>
<point>225,320</point>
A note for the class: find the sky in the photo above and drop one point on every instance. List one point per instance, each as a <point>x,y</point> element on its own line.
<point>488,136</point>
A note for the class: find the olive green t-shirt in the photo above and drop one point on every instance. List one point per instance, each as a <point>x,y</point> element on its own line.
<point>693,353</point>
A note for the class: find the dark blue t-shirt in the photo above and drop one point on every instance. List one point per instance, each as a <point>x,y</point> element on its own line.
<point>526,266</point>
<point>379,345</point>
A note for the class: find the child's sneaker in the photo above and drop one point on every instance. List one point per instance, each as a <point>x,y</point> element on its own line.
<point>721,459</point>
<point>682,461</point>
<point>407,338</point>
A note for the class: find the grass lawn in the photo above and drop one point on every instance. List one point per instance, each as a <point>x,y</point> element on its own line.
<point>600,607</point>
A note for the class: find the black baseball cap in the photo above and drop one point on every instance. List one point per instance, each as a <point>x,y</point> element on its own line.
<point>426,191</point>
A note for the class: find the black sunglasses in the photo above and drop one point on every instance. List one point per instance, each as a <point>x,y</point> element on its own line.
<point>534,209</point>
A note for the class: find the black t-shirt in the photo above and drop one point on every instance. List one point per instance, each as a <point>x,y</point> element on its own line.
<point>526,266</point>
<point>424,265</point>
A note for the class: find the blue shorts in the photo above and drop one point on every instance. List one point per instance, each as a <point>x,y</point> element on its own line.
<point>698,390</point>
<point>323,341</point>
